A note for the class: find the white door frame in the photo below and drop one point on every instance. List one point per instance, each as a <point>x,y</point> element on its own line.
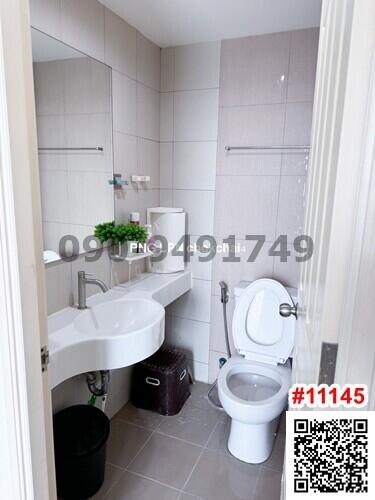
<point>339,199</point>
<point>26,442</point>
<point>15,448</point>
<point>356,337</point>
<point>339,308</point>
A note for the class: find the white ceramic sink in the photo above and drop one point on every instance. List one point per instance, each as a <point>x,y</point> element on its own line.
<point>106,336</point>
<point>118,317</point>
<point>119,328</point>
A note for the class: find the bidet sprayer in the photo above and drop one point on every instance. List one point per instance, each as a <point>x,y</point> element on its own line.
<point>224,292</point>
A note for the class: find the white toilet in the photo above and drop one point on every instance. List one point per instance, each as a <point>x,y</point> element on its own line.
<point>253,385</point>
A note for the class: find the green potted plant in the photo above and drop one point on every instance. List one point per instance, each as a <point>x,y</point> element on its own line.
<point>119,234</point>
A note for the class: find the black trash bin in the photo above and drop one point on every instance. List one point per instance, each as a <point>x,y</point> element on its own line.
<point>80,433</point>
<point>161,382</point>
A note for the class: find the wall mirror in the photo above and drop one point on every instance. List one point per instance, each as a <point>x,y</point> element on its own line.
<point>74,122</point>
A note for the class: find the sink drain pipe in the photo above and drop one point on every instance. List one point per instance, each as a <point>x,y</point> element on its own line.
<point>97,383</point>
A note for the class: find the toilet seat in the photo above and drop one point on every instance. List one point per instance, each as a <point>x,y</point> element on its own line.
<point>259,332</point>
<point>281,375</point>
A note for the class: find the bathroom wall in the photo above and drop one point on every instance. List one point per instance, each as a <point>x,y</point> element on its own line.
<point>88,26</point>
<point>188,135</point>
<point>266,98</point>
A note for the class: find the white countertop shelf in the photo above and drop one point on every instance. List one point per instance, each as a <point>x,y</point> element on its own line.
<point>137,256</point>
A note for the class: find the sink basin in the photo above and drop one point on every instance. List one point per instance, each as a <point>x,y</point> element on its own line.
<point>109,335</point>
<point>120,327</point>
<point>118,317</point>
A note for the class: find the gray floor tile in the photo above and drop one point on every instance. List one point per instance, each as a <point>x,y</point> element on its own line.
<point>187,496</point>
<point>137,416</point>
<point>268,485</point>
<point>198,396</point>
<point>167,460</point>
<point>276,459</point>
<point>282,423</point>
<point>191,424</point>
<point>219,438</point>
<point>112,474</point>
<point>133,487</point>
<point>218,476</point>
<point>125,441</point>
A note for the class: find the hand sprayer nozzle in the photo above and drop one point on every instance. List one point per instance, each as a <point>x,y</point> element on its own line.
<point>224,292</point>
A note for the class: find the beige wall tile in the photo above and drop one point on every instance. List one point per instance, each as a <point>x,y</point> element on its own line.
<point>287,272</point>
<point>125,155</point>
<point>190,337</point>
<point>167,70</point>
<point>147,198</point>
<point>148,113</point>
<point>90,198</point>
<point>295,164</point>
<point>291,216</point>
<point>52,234</point>
<point>54,193</point>
<point>166,116</point>
<point>199,370</point>
<point>251,125</point>
<point>91,130</point>
<point>302,68</point>
<point>58,297</point>
<point>196,115</point>
<point>200,270</point>
<point>243,163</point>
<point>195,304</point>
<point>50,129</point>
<point>148,62</point>
<point>166,165</point>
<point>148,162</point>
<point>298,123</point>
<point>45,16</point>
<point>194,165</point>
<point>49,87</point>
<point>87,86</point>
<point>125,201</point>
<point>217,335</point>
<point>82,24</point>
<point>246,205</point>
<point>166,198</point>
<point>197,66</point>
<point>124,103</point>
<point>120,44</point>
<point>233,272</point>
<point>199,206</point>
<point>254,70</point>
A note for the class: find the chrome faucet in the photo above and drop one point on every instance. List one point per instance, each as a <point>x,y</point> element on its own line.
<point>87,279</point>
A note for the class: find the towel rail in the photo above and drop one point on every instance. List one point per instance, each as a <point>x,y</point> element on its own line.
<point>272,148</point>
<point>96,148</point>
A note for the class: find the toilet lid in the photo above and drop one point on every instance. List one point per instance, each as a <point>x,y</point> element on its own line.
<point>259,332</point>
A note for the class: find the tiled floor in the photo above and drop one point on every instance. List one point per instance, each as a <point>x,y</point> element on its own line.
<point>185,457</point>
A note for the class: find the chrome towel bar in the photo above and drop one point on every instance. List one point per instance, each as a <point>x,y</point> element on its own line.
<point>96,148</point>
<point>257,148</point>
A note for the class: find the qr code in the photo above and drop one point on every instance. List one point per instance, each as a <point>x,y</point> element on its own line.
<point>328,455</point>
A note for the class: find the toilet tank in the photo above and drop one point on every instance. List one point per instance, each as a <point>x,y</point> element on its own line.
<point>238,289</point>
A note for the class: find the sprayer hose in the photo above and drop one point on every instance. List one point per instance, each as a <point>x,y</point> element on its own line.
<point>226,329</point>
